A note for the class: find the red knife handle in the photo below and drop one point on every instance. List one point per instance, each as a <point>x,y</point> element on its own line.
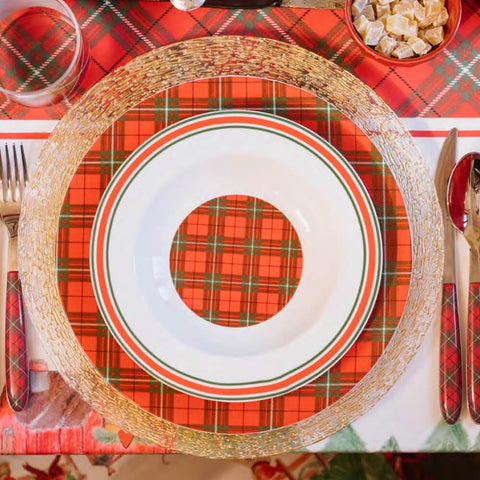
<point>450,356</point>
<point>473,352</point>
<point>16,363</point>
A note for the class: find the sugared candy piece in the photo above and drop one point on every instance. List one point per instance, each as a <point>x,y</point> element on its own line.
<point>358,6</point>
<point>434,36</point>
<point>361,25</point>
<point>368,13</point>
<point>397,24</point>
<point>375,32</point>
<point>418,45</point>
<point>402,50</point>
<point>386,45</point>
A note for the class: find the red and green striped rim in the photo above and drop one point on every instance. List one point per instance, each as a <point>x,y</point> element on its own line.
<point>300,374</point>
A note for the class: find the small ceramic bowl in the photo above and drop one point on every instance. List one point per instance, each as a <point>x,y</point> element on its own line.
<point>455,12</point>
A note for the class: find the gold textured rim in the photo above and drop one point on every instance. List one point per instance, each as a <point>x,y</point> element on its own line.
<point>183,62</point>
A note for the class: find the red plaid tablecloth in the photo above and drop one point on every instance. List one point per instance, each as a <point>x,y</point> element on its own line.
<point>118,31</point>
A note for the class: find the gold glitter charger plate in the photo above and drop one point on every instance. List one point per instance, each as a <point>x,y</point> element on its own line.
<point>159,70</point>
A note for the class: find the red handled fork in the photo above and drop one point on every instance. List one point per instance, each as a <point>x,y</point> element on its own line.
<point>14,179</point>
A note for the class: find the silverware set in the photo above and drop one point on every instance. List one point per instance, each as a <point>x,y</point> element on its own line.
<point>458,189</point>
<point>14,179</point>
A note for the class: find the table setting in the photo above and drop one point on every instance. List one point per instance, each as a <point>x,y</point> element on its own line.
<point>243,230</point>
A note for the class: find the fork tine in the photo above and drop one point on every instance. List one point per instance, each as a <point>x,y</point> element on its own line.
<point>24,166</point>
<point>7,182</point>
<point>16,193</point>
<point>21,170</point>
<point>2,176</point>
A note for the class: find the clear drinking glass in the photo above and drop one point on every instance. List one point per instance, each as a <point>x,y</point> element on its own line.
<point>43,53</point>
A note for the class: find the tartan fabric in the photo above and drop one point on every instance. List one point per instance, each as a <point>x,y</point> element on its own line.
<point>120,30</point>
<point>236,260</point>
<point>450,356</point>
<point>78,212</point>
<point>29,32</point>
<point>16,365</point>
<point>473,351</point>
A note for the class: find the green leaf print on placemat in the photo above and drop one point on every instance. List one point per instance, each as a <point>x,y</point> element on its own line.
<point>391,445</point>
<point>346,440</point>
<point>447,438</point>
<point>476,444</point>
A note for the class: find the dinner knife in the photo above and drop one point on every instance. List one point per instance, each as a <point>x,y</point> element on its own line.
<point>325,4</point>
<point>254,4</point>
<point>450,350</point>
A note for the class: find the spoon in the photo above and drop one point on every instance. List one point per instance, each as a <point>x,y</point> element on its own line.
<point>187,5</point>
<point>463,198</point>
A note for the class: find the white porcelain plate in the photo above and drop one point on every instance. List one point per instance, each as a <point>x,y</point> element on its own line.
<point>243,153</point>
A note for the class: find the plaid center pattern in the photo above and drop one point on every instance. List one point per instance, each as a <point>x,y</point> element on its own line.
<point>93,176</point>
<point>236,261</point>
<point>28,40</point>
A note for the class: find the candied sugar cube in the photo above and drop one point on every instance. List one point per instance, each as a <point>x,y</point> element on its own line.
<point>382,10</point>
<point>385,2</point>
<point>419,11</point>
<point>386,45</point>
<point>432,12</point>
<point>404,9</point>
<point>421,33</point>
<point>434,36</point>
<point>361,25</point>
<point>402,50</point>
<point>428,47</point>
<point>383,19</point>
<point>412,30</point>
<point>397,24</point>
<point>442,18</point>
<point>375,32</point>
<point>418,45</point>
<point>433,9</point>
<point>368,13</point>
<point>357,7</point>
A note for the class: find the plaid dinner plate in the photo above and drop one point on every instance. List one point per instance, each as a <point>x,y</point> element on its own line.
<point>206,157</point>
<point>84,195</point>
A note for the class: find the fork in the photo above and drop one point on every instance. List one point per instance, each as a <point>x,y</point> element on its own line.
<point>14,179</point>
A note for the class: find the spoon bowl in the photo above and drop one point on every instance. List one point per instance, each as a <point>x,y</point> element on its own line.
<point>187,5</point>
<point>457,192</point>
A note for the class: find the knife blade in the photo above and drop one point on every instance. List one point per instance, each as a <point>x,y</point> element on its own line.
<point>254,4</point>
<point>450,351</point>
<point>325,4</point>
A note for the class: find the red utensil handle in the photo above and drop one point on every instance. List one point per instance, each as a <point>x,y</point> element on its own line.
<point>16,363</point>
<point>450,356</point>
<point>473,352</point>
